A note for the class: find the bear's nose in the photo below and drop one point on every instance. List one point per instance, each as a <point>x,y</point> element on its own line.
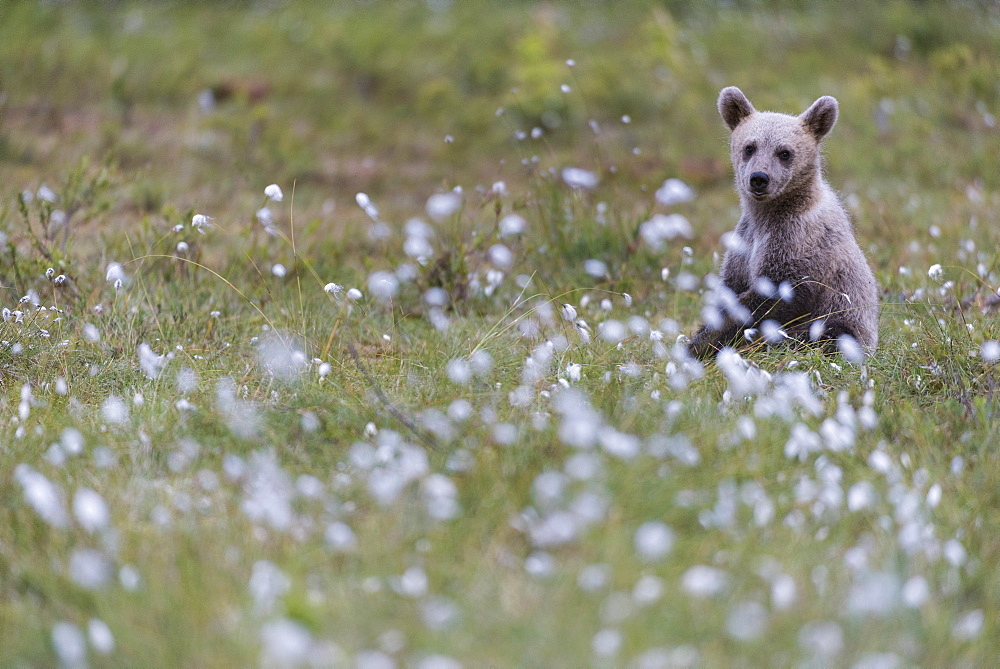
<point>759,181</point>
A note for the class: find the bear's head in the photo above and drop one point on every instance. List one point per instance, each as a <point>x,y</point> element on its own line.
<point>775,155</point>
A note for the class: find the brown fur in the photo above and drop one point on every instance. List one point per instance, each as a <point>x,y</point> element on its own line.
<point>793,229</point>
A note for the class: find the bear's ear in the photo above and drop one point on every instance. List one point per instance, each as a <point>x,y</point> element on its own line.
<point>820,118</point>
<point>734,106</point>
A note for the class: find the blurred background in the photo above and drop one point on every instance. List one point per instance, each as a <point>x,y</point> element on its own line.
<point>190,104</point>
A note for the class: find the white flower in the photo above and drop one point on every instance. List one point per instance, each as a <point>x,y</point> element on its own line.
<point>278,270</point>
<point>91,510</point>
<point>674,191</point>
<point>273,192</point>
<point>442,205</point>
<point>383,285</point>
<point>100,635</point>
<point>662,228</point>
<point>354,294</point>
<point>935,272</point>
<point>265,216</point>
<point>594,267</point>
<point>576,177</point>
<point>703,581</point>
<point>511,224</point>
<point>333,288</point>
<point>653,540</point>
<point>200,222</point>
<point>46,193</point>
<point>366,204</point>
<point>569,312</point>
<point>115,272</point>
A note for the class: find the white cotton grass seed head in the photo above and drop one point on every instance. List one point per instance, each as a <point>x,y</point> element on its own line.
<point>579,178</point>
<point>115,272</point>
<point>71,441</point>
<point>501,256</point>
<point>990,351</point>
<point>149,362</point>
<point>969,625</point>
<point>441,206</point>
<point>90,568</point>
<point>114,410</point>
<point>42,495</point>
<point>822,639</point>
<point>101,638</point>
<point>129,578</point>
<point>278,270</point>
<point>746,621</point>
<point>354,294</point>
<point>648,590</point>
<point>653,541</point>
<point>850,349</point>
<point>874,593</point>
<point>595,268</point>
<point>511,225</point>
<point>187,380</point>
<point>412,583</point>
<point>784,592</point>
<point>606,642</point>
<point>459,371</point>
<point>200,221</point>
<point>382,285</point>
<point>281,355</point>
<point>273,193</point>
<point>674,191</point>
<point>340,537</point>
<point>69,644</point>
<point>661,229</point>
<point>284,643</point>
<point>366,204</point>
<point>704,581</point>
<point>915,592</point>
<point>90,510</point>
<point>46,194</point>
<point>612,331</point>
<point>436,297</point>
<point>438,662</point>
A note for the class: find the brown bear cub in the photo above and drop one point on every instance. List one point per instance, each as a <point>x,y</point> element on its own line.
<point>793,270</point>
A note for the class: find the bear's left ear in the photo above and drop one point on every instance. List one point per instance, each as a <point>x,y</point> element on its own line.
<point>820,118</point>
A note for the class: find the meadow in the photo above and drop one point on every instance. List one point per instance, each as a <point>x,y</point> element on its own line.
<point>351,334</point>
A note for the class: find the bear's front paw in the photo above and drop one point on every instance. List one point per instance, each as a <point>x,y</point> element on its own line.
<point>703,344</point>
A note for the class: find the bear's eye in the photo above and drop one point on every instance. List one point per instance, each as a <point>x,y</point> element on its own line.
<point>749,150</point>
<point>784,154</point>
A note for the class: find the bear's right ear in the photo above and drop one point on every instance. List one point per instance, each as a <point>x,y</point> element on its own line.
<point>734,106</point>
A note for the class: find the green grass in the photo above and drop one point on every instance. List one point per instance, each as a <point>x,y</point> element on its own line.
<point>493,502</point>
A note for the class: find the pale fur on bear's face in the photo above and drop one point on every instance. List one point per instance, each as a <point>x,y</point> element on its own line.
<point>775,155</point>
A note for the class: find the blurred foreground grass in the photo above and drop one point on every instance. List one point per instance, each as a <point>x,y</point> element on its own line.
<point>454,473</point>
